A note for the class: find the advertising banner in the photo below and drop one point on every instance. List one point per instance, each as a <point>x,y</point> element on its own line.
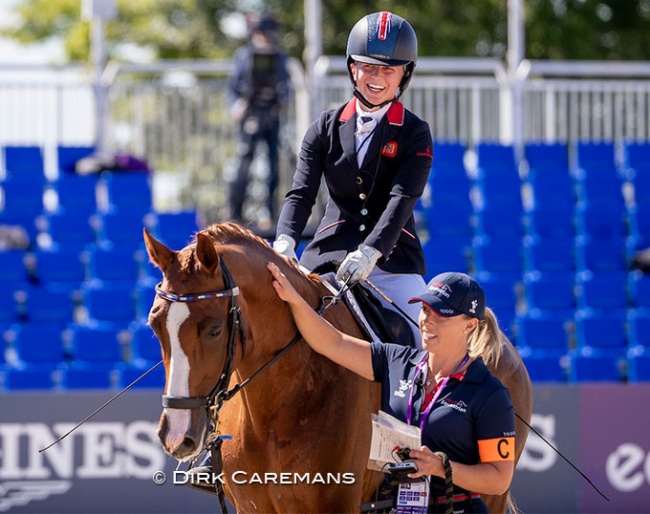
<point>112,463</point>
<point>615,447</point>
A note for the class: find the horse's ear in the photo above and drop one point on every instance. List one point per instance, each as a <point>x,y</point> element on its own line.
<point>206,253</point>
<point>159,254</point>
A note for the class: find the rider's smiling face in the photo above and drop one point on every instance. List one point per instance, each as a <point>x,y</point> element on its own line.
<point>377,83</point>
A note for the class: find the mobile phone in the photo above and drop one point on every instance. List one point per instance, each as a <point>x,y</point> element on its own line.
<point>402,468</point>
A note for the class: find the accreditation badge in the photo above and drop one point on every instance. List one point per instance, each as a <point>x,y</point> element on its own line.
<point>413,497</point>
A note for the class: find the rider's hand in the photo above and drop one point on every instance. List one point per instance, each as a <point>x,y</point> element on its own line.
<point>286,246</point>
<point>358,264</point>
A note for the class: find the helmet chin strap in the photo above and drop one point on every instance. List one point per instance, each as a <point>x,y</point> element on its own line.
<point>365,102</point>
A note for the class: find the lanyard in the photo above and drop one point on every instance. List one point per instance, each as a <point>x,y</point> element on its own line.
<point>429,407</point>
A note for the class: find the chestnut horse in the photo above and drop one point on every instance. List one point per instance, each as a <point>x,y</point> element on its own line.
<point>303,416</point>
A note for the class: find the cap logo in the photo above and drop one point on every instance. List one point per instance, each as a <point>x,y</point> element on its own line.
<point>383,27</point>
<point>472,309</point>
<point>444,289</point>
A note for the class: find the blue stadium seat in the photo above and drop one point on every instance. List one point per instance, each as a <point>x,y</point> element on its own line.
<point>112,263</point>
<point>640,181</point>
<point>66,229</point>
<point>144,293</point>
<point>76,193</point>
<point>497,255</point>
<point>501,290</point>
<point>175,229</point>
<point>601,290</point>
<point>639,289</point>
<point>121,227</point>
<point>601,332</point>
<point>601,220</point>
<point>96,343</point>
<point>498,222</point>
<point>153,380</point>
<point>22,203</point>
<point>13,267</point>
<point>60,268</point>
<point>604,188</point>
<point>29,378</point>
<point>637,156</point>
<point>48,305</point>
<point>639,368</point>
<point>67,156</point>
<point>38,343</point>
<point>596,368</point>
<point>556,254</point>
<point>545,368</point>
<point>544,333</point>
<point>551,188</point>
<point>502,295</point>
<point>8,306</point>
<point>501,188</point>
<point>550,220</point>
<point>491,156</point>
<point>448,155</point>
<point>639,218</point>
<point>24,163</point>
<point>88,376</point>
<point>542,157</point>
<point>549,290</point>
<point>449,220</point>
<point>447,254</point>
<point>600,254</point>
<point>595,155</point>
<point>145,347</point>
<point>128,191</point>
<point>638,328</point>
<point>112,302</point>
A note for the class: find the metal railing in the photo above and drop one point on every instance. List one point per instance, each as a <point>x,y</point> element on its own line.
<point>175,115</point>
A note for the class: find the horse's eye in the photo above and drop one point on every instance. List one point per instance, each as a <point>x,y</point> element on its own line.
<point>214,330</point>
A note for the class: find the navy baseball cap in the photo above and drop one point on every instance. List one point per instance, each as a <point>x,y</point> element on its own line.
<point>451,294</point>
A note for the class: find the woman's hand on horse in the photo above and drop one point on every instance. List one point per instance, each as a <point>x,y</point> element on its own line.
<point>282,286</point>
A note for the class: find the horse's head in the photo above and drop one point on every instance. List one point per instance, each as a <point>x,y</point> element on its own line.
<point>197,339</point>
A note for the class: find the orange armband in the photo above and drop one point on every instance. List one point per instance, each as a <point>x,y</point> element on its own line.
<point>497,449</point>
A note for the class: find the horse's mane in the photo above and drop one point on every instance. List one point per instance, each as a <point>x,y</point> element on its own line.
<point>231,233</point>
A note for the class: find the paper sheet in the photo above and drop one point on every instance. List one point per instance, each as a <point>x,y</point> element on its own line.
<point>388,433</point>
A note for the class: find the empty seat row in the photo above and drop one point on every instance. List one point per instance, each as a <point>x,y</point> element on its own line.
<point>79,356</point>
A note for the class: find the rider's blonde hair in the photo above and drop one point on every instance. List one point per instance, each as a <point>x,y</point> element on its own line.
<point>485,340</point>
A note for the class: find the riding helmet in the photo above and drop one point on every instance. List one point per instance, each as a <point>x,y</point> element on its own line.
<point>385,39</point>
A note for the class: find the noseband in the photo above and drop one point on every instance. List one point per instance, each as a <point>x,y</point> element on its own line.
<point>219,393</point>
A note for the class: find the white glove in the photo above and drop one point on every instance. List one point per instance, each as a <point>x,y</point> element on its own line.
<point>358,264</point>
<point>286,246</point>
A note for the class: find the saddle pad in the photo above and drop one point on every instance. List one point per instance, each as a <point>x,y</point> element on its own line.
<point>329,279</point>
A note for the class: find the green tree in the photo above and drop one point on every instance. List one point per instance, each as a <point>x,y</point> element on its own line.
<point>555,29</point>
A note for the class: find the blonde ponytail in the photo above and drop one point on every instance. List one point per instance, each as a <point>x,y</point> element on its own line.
<point>485,340</point>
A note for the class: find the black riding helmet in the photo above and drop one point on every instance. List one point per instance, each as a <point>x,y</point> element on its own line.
<point>385,39</point>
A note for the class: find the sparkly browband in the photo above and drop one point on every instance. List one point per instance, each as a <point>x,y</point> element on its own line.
<point>196,296</point>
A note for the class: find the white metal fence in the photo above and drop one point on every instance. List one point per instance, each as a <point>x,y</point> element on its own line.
<point>174,114</point>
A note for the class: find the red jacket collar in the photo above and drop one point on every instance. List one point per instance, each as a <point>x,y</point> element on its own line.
<point>395,113</point>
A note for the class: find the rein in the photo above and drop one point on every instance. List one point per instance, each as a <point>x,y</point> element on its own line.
<point>220,393</point>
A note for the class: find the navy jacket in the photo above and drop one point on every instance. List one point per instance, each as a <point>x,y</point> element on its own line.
<point>372,204</point>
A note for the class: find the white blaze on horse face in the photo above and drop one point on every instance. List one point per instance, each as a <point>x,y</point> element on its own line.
<point>179,374</point>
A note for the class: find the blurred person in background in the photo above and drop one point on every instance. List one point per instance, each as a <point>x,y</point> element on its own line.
<point>258,91</point>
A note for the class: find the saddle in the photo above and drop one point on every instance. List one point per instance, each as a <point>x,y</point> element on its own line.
<point>379,323</point>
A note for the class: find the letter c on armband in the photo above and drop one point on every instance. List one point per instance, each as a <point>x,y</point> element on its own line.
<point>497,449</point>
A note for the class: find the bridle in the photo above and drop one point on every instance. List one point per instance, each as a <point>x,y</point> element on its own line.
<point>219,394</point>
